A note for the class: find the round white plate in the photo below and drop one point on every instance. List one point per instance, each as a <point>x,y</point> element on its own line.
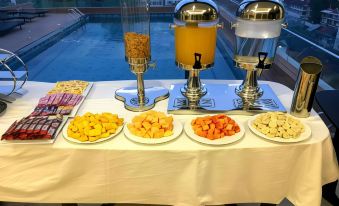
<point>64,133</point>
<point>222,141</point>
<point>303,136</point>
<point>177,129</point>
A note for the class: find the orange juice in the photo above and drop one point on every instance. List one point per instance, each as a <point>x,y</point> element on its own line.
<point>190,40</point>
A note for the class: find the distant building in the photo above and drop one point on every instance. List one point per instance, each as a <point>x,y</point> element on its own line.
<point>157,2</point>
<point>298,8</point>
<point>336,43</point>
<point>171,2</point>
<point>164,2</point>
<point>330,17</point>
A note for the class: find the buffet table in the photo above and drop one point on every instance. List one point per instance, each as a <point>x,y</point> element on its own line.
<point>181,172</point>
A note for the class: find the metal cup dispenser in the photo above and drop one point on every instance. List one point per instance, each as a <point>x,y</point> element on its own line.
<point>306,86</point>
<point>136,33</point>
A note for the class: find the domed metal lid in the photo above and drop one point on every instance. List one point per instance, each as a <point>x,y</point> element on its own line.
<point>196,11</point>
<point>261,10</point>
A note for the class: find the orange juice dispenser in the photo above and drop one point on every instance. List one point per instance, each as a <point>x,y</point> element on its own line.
<point>195,26</point>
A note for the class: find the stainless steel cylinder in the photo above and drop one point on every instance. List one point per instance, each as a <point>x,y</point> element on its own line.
<point>306,86</point>
<point>141,88</point>
<point>193,89</point>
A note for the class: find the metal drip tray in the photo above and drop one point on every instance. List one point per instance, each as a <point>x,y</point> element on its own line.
<point>221,98</point>
<point>211,102</point>
<point>129,95</point>
<point>258,104</point>
<point>204,102</point>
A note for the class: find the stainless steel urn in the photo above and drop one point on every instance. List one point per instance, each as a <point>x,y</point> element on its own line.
<point>306,86</point>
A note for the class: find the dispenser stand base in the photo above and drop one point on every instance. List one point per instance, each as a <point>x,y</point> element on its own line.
<point>129,95</point>
<point>222,98</point>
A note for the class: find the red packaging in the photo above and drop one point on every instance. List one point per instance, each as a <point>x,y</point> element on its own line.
<point>35,122</point>
<point>53,128</point>
<point>20,125</point>
<point>39,126</point>
<point>45,127</point>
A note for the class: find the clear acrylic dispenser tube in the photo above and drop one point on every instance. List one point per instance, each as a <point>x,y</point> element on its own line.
<point>135,19</point>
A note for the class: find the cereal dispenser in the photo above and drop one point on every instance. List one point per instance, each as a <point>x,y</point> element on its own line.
<point>257,29</point>
<point>195,27</point>
<point>136,34</point>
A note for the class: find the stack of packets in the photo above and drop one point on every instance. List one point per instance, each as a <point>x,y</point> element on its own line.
<point>47,117</point>
<point>71,87</point>
<point>31,128</point>
<point>61,99</point>
<point>60,103</point>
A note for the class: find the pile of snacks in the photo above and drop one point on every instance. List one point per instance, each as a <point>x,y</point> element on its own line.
<point>59,103</point>
<point>46,118</point>
<point>92,127</point>
<point>151,124</point>
<point>215,127</point>
<point>61,99</point>
<point>33,128</point>
<point>278,124</point>
<point>70,87</point>
<point>137,45</point>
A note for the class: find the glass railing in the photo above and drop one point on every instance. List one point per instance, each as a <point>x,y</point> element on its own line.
<point>76,3</point>
<point>296,42</point>
<point>62,3</point>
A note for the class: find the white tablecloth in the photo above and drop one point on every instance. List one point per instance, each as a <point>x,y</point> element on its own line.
<point>181,172</point>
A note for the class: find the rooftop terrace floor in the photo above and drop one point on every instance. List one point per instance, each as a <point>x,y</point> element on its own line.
<point>34,30</point>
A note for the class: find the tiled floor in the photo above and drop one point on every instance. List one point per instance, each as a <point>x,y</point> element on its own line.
<point>32,31</point>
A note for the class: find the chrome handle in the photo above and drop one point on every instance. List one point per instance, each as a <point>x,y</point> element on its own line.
<point>152,65</point>
<point>220,25</point>
<point>284,25</point>
<point>233,25</point>
<point>172,26</point>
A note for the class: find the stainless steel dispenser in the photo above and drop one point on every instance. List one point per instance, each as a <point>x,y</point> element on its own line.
<point>257,29</point>
<point>136,32</point>
<point>195,26</point>
<point>306,86</point>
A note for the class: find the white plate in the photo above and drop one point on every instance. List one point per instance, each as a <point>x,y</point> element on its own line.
<point>177,129</point>
<point>303,136</point>
<point>222,141</point>
<point>64,133</point>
